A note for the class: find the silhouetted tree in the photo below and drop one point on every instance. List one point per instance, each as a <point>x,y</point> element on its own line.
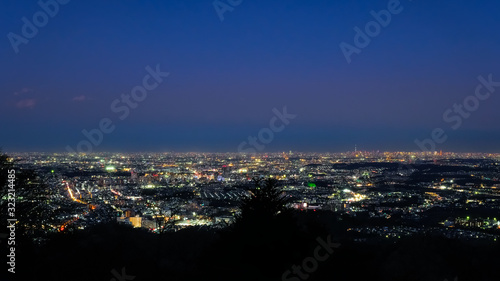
<point>5,165</point>
<point>263,242</point>
<point>265,204</point>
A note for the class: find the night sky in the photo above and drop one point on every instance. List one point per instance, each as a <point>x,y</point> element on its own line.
<point>226,77</point>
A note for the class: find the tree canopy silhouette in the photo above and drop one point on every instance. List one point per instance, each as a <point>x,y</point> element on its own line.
<point>265,204</point>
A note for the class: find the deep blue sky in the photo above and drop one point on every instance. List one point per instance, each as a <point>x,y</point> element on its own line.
<point>226,77</point>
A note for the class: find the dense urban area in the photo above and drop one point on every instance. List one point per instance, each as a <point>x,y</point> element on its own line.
<point>457,195</point>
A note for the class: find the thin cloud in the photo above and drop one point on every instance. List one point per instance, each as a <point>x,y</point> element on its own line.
<point>80,98</point>
<point>23,91</point>
<point>26,103</point>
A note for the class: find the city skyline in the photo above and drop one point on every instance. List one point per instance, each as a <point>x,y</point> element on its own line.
<point>121,213</point>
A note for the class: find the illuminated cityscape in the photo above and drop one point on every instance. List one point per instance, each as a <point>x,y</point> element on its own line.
<point>454,194</point>
<point>223,140</point>
<point>224,208</point>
